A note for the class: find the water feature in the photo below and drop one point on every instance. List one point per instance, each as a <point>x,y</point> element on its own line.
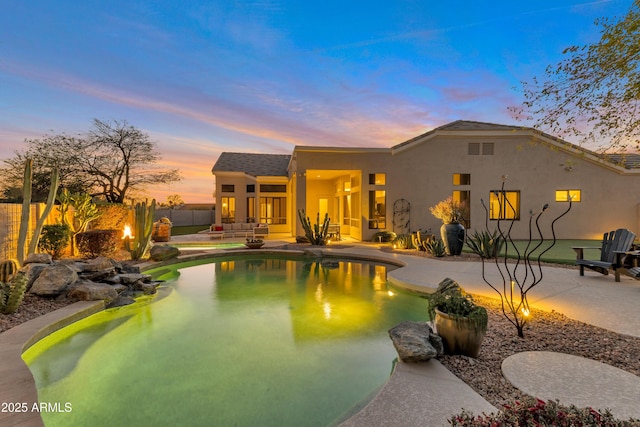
<point>238,342</point>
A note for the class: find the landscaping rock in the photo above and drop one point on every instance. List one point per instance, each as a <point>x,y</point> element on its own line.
<point>53,280</point>
<point>38,258</point>
<point>415,341</point>
<point>132,278</point>
<point>98,264</point>
<point>32,271</point>
<point>147,288</point>
<point>162,252</point>
<point>90,291</point>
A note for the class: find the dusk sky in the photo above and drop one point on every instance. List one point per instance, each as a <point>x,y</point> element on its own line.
<point>203,77</point>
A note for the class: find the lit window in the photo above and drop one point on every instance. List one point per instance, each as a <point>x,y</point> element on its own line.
<point>377,179</point>
<point>565,195</point>
<point>461,179</point>
<point>228,209</point>
<point>377,209</point>
<point>504,205</point>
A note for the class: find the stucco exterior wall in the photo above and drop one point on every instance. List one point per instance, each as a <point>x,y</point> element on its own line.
<point>422,174</point>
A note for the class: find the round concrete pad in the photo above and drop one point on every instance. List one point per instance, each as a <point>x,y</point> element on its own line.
<point>574,380</point>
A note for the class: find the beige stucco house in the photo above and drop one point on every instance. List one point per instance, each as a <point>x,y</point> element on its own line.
<point>366,190</point>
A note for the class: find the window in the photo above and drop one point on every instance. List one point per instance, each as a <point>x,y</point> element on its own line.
<point>504,205</point>
<point>273,188</point>
<point>474,148</point>
<point>377,179</point>
<point>461,179</point>
<point>487,148</point>
<point>228,188</point>
<point>273,210</point>
<point>346,209</point>
<point>377,209</point>
<point>564,195</point>
<point>228,209</point>
<point>251,209</point>
<point>251,188</point>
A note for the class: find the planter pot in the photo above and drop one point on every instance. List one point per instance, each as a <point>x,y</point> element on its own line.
<point>161,232</point>
<point>459,335</point>
<point>453,238</point>
<point>254,245</point>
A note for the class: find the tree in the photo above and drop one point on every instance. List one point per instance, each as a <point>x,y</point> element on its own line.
<point>113,160</point>
<point>173,201</point>
<point>123,160</point>
<point>594,93</point>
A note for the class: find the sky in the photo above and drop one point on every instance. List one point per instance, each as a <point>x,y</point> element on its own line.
<point>204,77</point>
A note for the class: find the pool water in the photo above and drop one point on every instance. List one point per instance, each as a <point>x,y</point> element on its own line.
<point>238,342</point>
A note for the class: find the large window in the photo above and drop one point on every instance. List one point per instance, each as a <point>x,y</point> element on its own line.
<point>228,209</point>
<point>565,195</point>
<point>504,205</point>
<point>251,209</point>
<point>273,210</point>
<point>377,209</point>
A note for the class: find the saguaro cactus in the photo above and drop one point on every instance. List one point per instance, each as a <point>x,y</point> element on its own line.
<point>139,244</point>
<point>26,210</point>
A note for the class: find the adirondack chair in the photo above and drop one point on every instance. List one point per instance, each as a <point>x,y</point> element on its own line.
<point>612,253</point>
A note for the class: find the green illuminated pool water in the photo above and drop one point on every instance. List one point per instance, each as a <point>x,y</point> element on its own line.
<point>242,342</point>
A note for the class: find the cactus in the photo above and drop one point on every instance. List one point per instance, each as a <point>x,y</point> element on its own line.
<point>435,247</point>
<point>12,292</point>
<point>421,243</point>
<point>142,230</point>
<point>8,269</point>
<point>317,234</point>
<point>26,210</point>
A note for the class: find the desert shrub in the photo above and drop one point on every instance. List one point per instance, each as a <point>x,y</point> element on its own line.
<point>113,216</point>
<point>536,412</point>
<point>54,239</point>
<point>94,243</point>
<point>403,241</point>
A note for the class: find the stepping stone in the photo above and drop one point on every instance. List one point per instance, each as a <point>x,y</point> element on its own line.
<point>574,380</point>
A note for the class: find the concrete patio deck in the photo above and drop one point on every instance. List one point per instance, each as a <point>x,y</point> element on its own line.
<point>415,395</point>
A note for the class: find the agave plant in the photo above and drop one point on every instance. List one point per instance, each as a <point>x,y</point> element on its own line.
<point>486,244</point>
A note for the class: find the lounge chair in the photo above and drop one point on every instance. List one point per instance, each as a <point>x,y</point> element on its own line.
<point>615,244</point>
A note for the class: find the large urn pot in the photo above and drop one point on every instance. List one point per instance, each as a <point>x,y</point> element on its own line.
<point>453,237</point>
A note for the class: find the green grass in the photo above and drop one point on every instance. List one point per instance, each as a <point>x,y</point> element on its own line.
<point>181,230</point>
<point>561,253</point>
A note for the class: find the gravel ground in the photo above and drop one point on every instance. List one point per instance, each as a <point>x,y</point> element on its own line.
<point>548,331</point>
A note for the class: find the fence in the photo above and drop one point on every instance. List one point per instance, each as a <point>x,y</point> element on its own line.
<point>10,214</point>
<point>187,216</point>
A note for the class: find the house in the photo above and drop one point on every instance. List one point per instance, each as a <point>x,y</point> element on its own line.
<point>366,190</point>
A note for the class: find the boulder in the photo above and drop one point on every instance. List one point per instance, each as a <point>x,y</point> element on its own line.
<point>32,271</point>
<point>38,258</point>
<point>90,291</point>
<point>132,278</point>
<point>53,280</point>
<point>162,252</point>
<point>98,264</point>
<point>147,288</point>
<point>121,301</point>
<point>415,341</point>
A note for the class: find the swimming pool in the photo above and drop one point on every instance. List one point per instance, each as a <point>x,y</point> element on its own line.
<point>239,342</point>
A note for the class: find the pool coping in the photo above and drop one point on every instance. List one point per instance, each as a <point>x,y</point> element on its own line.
<point>17,384</point>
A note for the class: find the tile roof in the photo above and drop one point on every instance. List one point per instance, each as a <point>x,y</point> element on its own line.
<point>253,164</point>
